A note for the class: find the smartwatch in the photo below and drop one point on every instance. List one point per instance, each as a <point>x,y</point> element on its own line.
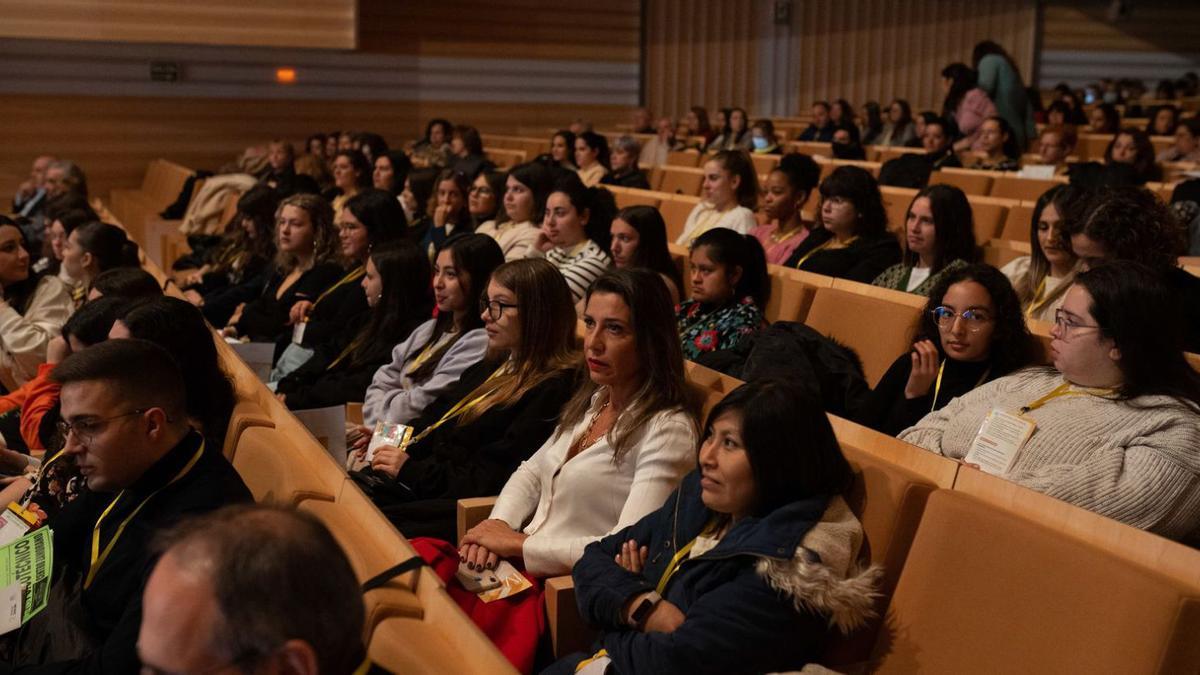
<point>644,608</point>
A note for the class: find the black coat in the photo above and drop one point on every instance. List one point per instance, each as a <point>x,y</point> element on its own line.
<point>339,311</point>
<point>265,318</point>
<point>887,410</point>
<point>629,179</point>
<point>863,260</point>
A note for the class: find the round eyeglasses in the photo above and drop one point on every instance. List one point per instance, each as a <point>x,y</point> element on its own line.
<point>973,319</point>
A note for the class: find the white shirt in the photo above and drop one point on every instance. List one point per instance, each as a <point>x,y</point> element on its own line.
<point>706,217</point>
<point>916,277</point>
<point>564,506</point>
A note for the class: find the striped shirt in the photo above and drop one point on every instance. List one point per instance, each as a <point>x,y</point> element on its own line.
<point>579,265</point>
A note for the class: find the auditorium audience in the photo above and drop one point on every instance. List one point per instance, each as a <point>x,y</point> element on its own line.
<point>592,157</point>
<point>1104,119</point>
<point>851,240</point>
<point>1187,143</point>
<point>448,210</point>
<point>128,431</point>
<point>730,190</point>
<point>435,355</point>
<point>972,331</point>
<point>1055,145</point>
<point>1117,429</point>
<point>656,150</point>
<point>1163,120</point>
<point>351,174</point>
<point>30,197</point>
<point>821,128</point>
<point>1000,78</point>
<point>1133,147</point>
<point>391,169</point>
<point>281,176</point>
<point>472,438</point>
<point>395,283</point>
<point>899,128</point>
<point>621,445</point>
<point>749,566</point>
<point>695,124</point>
<point>870,122</point>
<point>305,266</point>
<point>1042,278</point>
<point>939,237</point>
<point>847,144</point>
<point>433,149</point>
<point>922,118</point>
<point>33,308</point>
<point>466,151</point>
<point>996,147</point>
<point>224,591</point>
<point>64,176</point>
<point>526,189</point>
<point>415,198</point>
<point>625,171</point>
<point>938,141</point>
<point>1131,223</point>
<point>729,289</point>
<point>735,134</point>
<point>94,248</point>
<point>575,232</point>
<point>966,104</point>
<point>484,197</point>
<point>788,188</point>
<point>763,139</point>
<point>562,150</point>
<point>841,114</point>
<point>639,241</point>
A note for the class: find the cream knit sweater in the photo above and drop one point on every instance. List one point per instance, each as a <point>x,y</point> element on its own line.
<point>1134,461</point>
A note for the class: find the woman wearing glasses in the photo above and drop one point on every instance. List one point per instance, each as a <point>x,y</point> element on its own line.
<point>470,440</point>
<point>1114,426</point>
<point>971,332</point>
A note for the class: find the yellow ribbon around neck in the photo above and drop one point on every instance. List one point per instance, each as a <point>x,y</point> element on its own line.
<point>1065,389</point>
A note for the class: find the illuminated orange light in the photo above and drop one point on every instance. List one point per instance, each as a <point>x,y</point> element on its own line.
<point>285,75</point>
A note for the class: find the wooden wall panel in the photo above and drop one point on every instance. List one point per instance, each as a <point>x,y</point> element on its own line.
<point>1152,25</point>
<point>879,49</point>
<point>553,29</point>
<point>326,24</point>
<point>699,52</point>
<point>113,138</point>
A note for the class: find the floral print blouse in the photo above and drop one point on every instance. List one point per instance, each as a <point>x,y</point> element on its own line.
<point>704,329</point>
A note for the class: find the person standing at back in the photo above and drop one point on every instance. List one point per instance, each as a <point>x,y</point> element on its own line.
<point>1000,79</point>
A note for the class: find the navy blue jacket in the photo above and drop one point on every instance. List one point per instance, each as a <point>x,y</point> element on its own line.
<point>736,621</point>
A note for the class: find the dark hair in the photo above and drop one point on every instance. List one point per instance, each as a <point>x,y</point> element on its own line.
<point>126,282</point>
<point>1192,124</point>
<point>738,163</point>
<point>768,129</point>
<point>1059,106</point>
<point>540,181</point>
<point>851,149</point>
<point>74,179</point>
<point>401,165</point>
<point>1010,148</point>
<point>462,182</point>
<point>91,323</point>
<point>1131,223</point>
<point>20,294</point>
<point>664,382</point>
<point>953,226</point>
<point>987,47</point>
<point>1143,163</point>
<point>652,252</point>
<point>108,244</point>
<point>963,79</point>
<point>906,116</point>
<point>803,174</point>
<point>745,124</point>
<point>599,203</point>
<point>857,185</point>
<point>702,124</point>
<point>496,182</point>
<point>1127,297</point>
<point>729,248</point>
<point>373,146</point>
<point>256,558</point>
<point>598,143</point>
<point>823,104</point>
<point>69,202</point>
<point>470,138</point>
<point>1012,345</point>
<point>179,327</point>
<point>358,162</point>
<point>847,112</point>
<point>1152,116</point>
<point>874,121</point>
<point>380,213</point>
<point>447,128</point>
<point>788,440</point>
<point>475,257</point>
<point>155,382</point>
<point>237,249</point>
<point>405,302</point>
<point>568,137</point>
<point>320,137</point>
<point>421,183</point>
<point>1112,119</point>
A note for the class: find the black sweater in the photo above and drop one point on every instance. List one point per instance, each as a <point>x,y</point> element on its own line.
<point>112,604</point>
<point>471,460</point>
<point>265,318</point>
<point>887,410</point>
<point>863,260</point>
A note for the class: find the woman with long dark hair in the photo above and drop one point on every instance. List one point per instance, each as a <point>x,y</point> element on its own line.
<point>352,173</point>
<point>448,210</point>
<point>33,308</point>
<point>93,248</point>
<point>997,147</point>
<point>639,240</point>
<point>939,236</point>
<point>517,225</point>
<point>1132,147</point>
<point>729,290</point>
<point>592,158</point>
<point>575,231</point>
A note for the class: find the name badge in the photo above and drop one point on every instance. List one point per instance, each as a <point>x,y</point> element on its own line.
<point>396,435</point>
<point>999,441</point>
<point>298,332</point>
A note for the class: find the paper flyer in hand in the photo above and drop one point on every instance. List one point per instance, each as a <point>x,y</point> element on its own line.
<point>511,583</point>
<point>28,562</point>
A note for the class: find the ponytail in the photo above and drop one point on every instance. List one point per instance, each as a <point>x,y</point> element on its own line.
<point>109,245</point>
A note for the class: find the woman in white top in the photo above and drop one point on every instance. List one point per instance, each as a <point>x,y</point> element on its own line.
<point>525,194</point>
<point>592,158</point>
<point>1041,279</point>
<point>432,359</point>
<point>33,309</point>
<point>575,232</point>
<point>730,195</point>
<point>623,442</point>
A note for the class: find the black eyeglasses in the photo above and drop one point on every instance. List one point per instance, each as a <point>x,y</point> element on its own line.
<point>494,308</point>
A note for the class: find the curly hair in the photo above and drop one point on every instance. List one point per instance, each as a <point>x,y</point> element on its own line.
<point>1132,223</point>
<point>1013,347</point>
<point>326,247</point>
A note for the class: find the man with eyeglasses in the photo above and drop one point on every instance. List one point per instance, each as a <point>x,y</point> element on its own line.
<point>125,427</point>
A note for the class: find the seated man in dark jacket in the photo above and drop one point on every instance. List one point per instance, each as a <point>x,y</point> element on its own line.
<point>125,426</point>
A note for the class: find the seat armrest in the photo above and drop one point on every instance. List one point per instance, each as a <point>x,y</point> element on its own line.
<point>568,631</point>
<point>472,511</point>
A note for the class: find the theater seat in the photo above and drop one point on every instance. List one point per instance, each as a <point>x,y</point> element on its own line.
<point>986,590</point>
<point>246,414</point>
<point>276,471</point>
<point>675,213</point>
<point>792,293</point>
<point>878,330</point>
<point>418,647</point>
<point>681,180</point>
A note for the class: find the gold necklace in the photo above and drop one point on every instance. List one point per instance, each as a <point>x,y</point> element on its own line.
<point>583,442</point>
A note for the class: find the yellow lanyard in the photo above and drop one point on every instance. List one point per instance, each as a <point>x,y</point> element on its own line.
<point>828,244</point>
<point>1064,389</point>
<point>99,556</point>
<point>584,663</point>
<point>345,352</point>
<point>364,667</point>
<point>423,356</point>
<point>937,388</point>
<point>459,408</point>
<point>38,477</point>
<point>1038,300</point>
<point>673,566</point>
<point>350,278</point>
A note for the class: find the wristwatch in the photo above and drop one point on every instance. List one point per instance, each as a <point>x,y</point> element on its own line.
<point>644,608</point>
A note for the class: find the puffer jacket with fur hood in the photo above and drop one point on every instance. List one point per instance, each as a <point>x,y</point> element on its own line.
<point>766,597</point>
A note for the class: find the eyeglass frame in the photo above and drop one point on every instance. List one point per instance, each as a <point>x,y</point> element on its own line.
<point>86,437</point>
<point>1065,328</point>
<point>486,305</point>
<point>973,324</point>
<point>481,189</point>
